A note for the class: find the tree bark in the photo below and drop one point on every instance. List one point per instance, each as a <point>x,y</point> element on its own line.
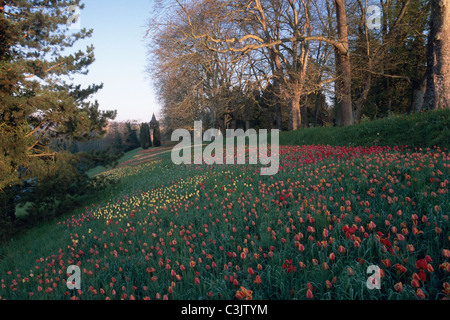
<point>418,92</point>
<point>343,66</point>
<point>295,119</point>
<point>360,102</point>
<point>277,70</point>
<point>316,108</point>
<point>278,119</point>
<point>437,94</point>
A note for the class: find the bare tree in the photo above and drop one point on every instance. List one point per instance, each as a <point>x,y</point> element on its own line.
<point>283,30</point>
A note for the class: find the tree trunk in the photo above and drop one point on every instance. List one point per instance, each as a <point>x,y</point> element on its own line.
<point>295,119</point>
<point>360,101</point>
<point>278,119</point>
<point>304,111</point>
<point>277,69</point>
<point>418,92</point>
<point>316,108</point>
<point>343,67</point>
<point>437,94</point>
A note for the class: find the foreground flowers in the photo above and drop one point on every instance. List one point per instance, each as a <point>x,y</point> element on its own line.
<point>244,294</point>
<point>224,232</point>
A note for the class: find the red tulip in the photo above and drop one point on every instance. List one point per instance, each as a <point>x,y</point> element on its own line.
<point>446,253</point>
<point>415,283</point>
<point>387,263</point>
<point>420,293</point>
<point>400,268</point>
<point>398,287</point>
<point>244,294</point>
<point>421,264</point>
<point>422,275</point>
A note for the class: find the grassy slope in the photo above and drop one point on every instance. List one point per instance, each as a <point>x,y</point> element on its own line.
<point>126,157</point>
<point>418,130</point>
<point>431,129</point>
<point>44,237</point>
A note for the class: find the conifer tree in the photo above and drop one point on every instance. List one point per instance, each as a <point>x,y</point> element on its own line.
<point>144,136</point>
<point>131,140</point>
<point>117,144</point>
<point>156,135</point>
<point>36,101</point>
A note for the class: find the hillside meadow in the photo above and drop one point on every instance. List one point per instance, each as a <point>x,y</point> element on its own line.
<point>225,232</point>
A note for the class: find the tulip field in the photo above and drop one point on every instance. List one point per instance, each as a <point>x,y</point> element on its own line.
<point>206,232</point>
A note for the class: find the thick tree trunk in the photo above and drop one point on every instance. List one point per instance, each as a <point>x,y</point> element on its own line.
<point>437,94</point>
<point>295,119</point>
<point>343,66</point>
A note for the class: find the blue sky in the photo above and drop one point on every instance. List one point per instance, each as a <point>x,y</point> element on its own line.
<point>120,52</point>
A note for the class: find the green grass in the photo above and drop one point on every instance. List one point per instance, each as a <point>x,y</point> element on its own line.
<point>21,211</point>
<point>127,156</point>
<point>426,129</point>
<point>205,231</point>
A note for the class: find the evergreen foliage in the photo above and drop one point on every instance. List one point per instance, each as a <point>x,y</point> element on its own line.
<point>156,135</point>
<point>144,136</point>
<point>38,106</point>
<point>131,138</point>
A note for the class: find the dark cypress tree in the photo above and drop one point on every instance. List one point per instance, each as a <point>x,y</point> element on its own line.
<point>144,136</point>
<point>117,143</point>
<point>156,135</point>
<point>131,140</point>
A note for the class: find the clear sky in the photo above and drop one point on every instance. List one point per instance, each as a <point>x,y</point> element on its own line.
<point>120,52</point>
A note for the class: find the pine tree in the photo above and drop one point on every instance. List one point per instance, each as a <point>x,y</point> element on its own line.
<point>38,105</point>
<point>36,102</point>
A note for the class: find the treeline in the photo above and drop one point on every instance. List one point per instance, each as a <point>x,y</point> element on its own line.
<point>290,64</point>
<point>120,137</point>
